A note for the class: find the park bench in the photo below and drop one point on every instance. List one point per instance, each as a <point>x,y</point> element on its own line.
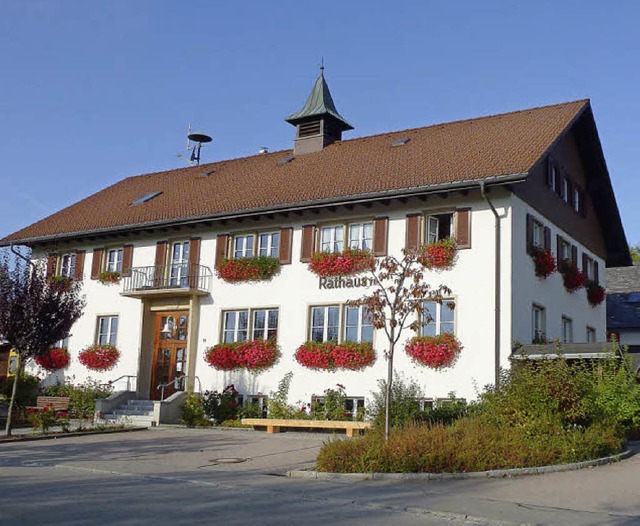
<point>59,403</point>
<point>275,425</point>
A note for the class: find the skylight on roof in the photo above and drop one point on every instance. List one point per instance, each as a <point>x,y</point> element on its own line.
<point>146,198</point>
<point>400,142</point>
<point>286,160</point>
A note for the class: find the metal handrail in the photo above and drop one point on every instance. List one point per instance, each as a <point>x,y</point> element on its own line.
<point>127,376</point>
<point>174,276</point>
<point>176,383</point>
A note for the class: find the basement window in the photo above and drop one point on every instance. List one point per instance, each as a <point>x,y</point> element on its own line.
<point>146,198</point>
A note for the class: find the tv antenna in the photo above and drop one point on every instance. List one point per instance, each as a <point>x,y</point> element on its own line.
<point>198,139</point>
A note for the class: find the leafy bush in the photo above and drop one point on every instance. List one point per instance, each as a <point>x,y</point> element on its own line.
<point>47,417</point>
<point>277,406</point>
<point>332,406</point>
<point>82,397</point>
<point>251,410</point>
<point>26,393</point>
<point>444,414</point>
<point>221,406</point>
<point>404,405</point>
<point>192,412</point>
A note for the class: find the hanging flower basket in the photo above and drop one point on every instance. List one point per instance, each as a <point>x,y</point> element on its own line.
<point>99,357</point>
<point>53,359</point>
<point>572,278</point>
<point>109,278</point>
<point>544,262</point>
<point>328,356</point>
<point>60,283</point>
<point>256,355</point>
<point>259,268</point>
<point>436,352</point>
<point>347,263</point>
<point>595,293</point>
<point>440,255</point>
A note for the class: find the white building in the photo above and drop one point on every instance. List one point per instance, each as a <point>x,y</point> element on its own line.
<point>499,184</point>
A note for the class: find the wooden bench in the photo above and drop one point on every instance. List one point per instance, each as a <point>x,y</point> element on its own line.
<point>275,425</point>
<point>59,403</point>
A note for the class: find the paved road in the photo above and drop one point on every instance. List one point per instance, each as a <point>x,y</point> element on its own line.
<point>177,476</point>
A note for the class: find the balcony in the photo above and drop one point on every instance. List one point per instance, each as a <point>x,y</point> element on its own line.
<point>167,280</point>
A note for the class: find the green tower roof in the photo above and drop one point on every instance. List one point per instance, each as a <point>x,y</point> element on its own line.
<point>319,103</point>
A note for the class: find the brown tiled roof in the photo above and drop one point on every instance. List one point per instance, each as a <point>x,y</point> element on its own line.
<point>468,150</point>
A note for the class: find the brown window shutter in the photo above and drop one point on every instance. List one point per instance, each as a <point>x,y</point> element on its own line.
<point>574,254</point>
<point>221,248</point>
<point>194,251</point>
<point>596,276</point>
<point>583,203</point>
<point>308,243</point>
<point>127,260</point>
<point>161,253</point>
<point>547,238</point>
<point>559,248</point>
<point>284,250</point>
<point>463,227</point>
<point>585,262</point>
<point>79,269</point>
<point>413,236</point>
<point>96,262</point>
<point>570,192</point>
<point>52,263</point>
<point>380,236</point>
<point>529,233</point>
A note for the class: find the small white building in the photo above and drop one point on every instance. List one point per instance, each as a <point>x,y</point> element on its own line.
<point>500,185</point>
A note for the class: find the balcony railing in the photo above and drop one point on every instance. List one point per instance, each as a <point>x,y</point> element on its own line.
<point>176,278</point>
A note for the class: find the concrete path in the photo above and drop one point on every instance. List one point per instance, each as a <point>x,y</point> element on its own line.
<point>178,476</point>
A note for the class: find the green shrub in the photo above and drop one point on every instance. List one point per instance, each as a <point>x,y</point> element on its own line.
<point>192,412</point>
<point>404,404</point>
<point>445,414</point>
<point>250,410</point>
<point>277,406</point>
<point>221,406</point>
<point>332,406</point>
<point>26,393</point>
<point>46,417</point>
<point>82,397</point>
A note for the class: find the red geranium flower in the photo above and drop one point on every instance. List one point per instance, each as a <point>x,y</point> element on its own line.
<point>331,355</point>
<point>437,352</point>
<point>53,359</point>
<point>346,263</point>
<point>256,355</point>
<point>99,357</point>
<point>595,293</point>
<point>440,255</point>
<point>572,278</point>
<point>260,268</point>
<point>544,262</point>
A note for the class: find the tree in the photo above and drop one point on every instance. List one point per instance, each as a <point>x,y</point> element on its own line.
<point>635,253</point>
<point>397,303</point>
<point>34,313</point>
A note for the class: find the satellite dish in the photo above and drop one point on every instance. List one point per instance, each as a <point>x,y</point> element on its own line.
<point>199,137</point>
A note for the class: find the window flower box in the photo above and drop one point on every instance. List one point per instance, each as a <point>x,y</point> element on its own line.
<point>440,255</point>
<point>256,355</point>
<point>258,268</point>
<point>349,262</point>
<point>109,277</point>
<point>544,262</point>
<point>99,357</point>
<point>572,278</point>
<point>53,359</point>
<point>436,352</point>
<point>595,293</point>
<point>329,356</point>
<point>60,283</point>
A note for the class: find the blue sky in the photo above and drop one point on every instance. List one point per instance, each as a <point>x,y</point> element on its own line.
<point>93,92</point>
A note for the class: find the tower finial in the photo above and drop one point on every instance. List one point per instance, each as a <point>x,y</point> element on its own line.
<point>321,64</point>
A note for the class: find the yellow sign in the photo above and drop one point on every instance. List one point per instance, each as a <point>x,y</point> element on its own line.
<point>14,358</point>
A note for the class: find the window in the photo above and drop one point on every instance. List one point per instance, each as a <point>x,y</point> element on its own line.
<point>353,405</point>
<point>359,237</point>
<point>243,246</point>
<point>438,318</point>
<point>261,244</point>
<point>567,330</point>
<point>591,335</point>
<point>325,323</point>
<point>62,344</point>
<point>237,326</point>
<point>438,226</point>
<point>564,250</point>
<point>67,265</point>
<point>538,324</point>
<point>179,268</point>
<point>538,234</point>
<point>551,175</point>
<point>258,400</point>
<point>269,244</point>
<point>577,201</point>
<point>114,260</point>
<point>564,189</point>
<point>357,325</point>
<point>589,268</point>
<point>107,330</point>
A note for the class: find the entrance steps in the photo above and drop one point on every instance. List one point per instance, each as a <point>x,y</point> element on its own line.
<point>135,412</point>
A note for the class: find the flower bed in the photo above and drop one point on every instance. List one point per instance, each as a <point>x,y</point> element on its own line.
<point>544,262</point>
<point>595,293</point>
<point>53,359</point>
<point>572,278</point>
<point>109,277</point>
<point>60,283</point>
<point>346,263</point>
<point>46,417</point>
<point>440,255</point>
<point>99,357</point>
<point>331,355</point>
<point>260,268</point>
<point>436,352</point>
<point>255,355</point>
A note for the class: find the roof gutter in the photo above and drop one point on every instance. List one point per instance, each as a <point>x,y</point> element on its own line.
<point>294,207</point>
<point>497,281</point>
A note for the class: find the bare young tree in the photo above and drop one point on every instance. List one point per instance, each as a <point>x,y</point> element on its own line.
<point>34,314</point>
<point>397,303</point>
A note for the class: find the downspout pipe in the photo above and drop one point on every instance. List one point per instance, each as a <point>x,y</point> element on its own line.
<point>497,276</point>
<point>17,253</point>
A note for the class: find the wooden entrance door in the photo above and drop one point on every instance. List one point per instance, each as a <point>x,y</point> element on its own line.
<point>169,354</point>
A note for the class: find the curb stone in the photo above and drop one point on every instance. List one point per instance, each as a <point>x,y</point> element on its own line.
<point>53,436</point>
<point>496,473</point>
